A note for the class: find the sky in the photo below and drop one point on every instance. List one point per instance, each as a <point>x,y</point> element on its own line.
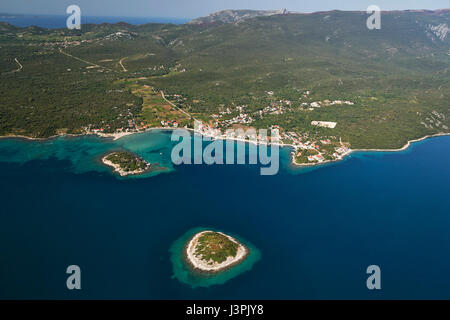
<point>198,8</point>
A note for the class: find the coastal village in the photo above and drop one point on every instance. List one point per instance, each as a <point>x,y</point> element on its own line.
<point>307,150</point>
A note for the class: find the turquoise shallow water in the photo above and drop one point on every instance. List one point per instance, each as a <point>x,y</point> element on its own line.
<point>85,152</point>
<point>317,230</point>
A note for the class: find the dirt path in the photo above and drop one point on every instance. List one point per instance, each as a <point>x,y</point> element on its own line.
<point>120,62</point>
<point>17,70</point>
<point>20,65</point>
<point>85,61</point>
<point>173,105</point>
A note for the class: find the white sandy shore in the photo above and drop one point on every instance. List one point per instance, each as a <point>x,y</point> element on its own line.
<point>214,267</point>
<point>119,170</point>
<point>115,136</point>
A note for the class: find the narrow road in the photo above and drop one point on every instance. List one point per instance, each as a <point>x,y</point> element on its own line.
<point>85,61</point>
<point>20,65</point>
<point>173,105</point>
<point>120,62</point>
<point>17,70</point>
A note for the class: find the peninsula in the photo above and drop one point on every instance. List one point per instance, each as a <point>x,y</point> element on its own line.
<point>212,251</point>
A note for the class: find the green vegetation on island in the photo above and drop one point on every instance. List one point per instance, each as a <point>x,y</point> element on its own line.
<point>126,162</point>
<point>215,247</point>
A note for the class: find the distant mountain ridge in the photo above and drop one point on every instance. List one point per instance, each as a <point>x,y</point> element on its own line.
<point>235,16</point>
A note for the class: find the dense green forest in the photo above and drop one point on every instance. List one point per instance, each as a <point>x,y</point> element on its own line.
<point>396,78</point>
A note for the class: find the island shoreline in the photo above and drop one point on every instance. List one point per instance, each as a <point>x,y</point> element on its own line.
<point>119,170</point>
<point>190,260</point>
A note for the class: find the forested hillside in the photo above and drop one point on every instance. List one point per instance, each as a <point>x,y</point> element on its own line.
<point>279,69</point>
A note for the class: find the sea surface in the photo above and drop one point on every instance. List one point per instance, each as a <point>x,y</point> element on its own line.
<point>316,230</point>
<point>59,21</point>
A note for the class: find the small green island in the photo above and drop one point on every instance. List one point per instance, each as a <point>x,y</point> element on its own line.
<point>203,257</point>
<point>126,163</point>
<point>211,251</point>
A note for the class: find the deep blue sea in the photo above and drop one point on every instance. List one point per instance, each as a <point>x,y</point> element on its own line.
<point>317,230</point>
<point>59,21</point>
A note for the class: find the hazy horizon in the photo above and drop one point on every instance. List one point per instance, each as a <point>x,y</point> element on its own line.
<point>197,8</point>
